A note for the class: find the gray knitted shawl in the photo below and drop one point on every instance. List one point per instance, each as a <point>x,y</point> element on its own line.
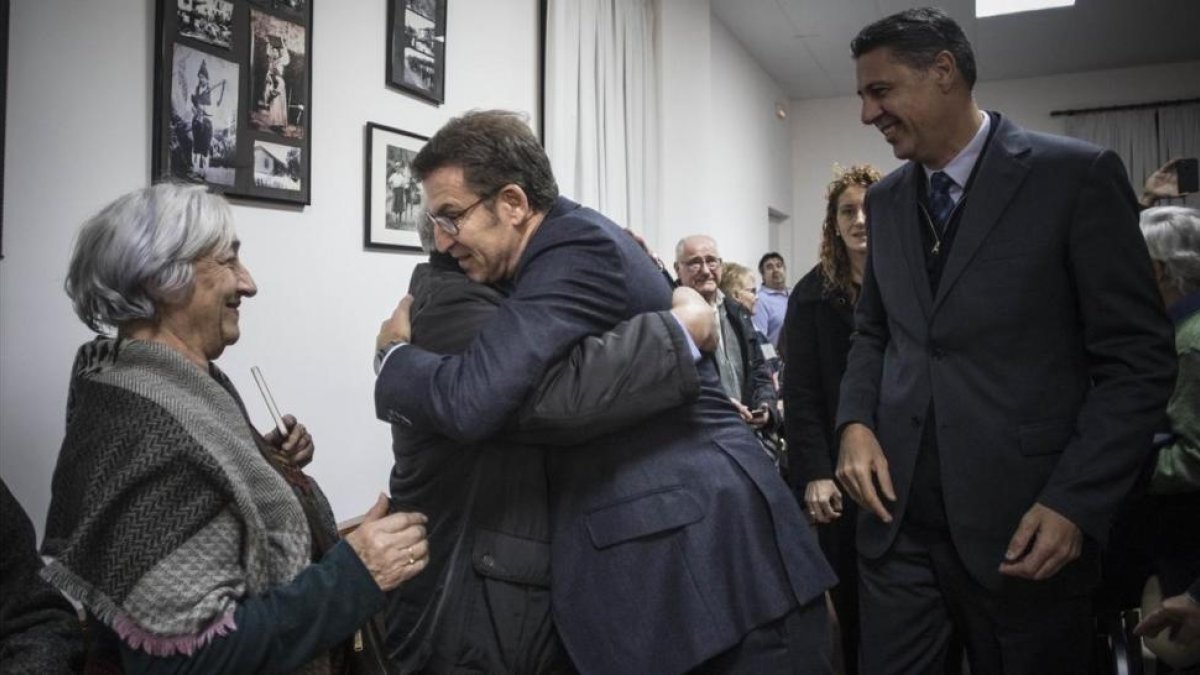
<point>164,513</point>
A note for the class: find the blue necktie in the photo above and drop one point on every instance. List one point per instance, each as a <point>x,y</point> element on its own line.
<point>940,203</point>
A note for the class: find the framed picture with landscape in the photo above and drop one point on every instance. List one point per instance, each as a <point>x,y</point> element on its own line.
<point>231,96</point>
<point>417,47</point>
<point>395,204</point>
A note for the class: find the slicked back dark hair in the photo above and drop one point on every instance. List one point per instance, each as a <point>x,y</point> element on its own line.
<point>915,37</point>
<point>494,148</point>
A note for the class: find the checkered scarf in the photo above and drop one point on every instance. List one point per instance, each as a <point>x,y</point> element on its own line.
<point>164,512</point>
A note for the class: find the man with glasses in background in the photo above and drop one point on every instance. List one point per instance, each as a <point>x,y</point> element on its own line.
<point>744,373</point>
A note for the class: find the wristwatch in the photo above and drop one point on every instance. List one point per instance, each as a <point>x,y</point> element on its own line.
<point>384,351</point>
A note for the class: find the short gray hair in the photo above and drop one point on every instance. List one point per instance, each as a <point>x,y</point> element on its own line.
<point>1173,237</point>
<point>138,251</point>
<point>683,243</point>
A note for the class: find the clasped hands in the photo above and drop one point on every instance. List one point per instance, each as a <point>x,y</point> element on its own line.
<point>1042,544</point>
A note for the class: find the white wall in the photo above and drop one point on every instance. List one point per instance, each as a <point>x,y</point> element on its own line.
<point>725,156</point>
<point>685,81</point>
<point>78,135</point>
<point>826,131</point>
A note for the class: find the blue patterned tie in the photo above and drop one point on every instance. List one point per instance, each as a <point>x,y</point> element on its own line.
<point>940,203</point>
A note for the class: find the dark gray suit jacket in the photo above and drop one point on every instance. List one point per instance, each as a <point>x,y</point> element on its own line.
<point>1045,351</point>
<point>671,540</point>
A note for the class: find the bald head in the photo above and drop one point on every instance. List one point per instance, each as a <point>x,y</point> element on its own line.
<point>698,265</point>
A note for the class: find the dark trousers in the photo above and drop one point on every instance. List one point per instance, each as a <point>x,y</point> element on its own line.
<point>918,594</point>
<point>799,643</point>
<point>837,543</point>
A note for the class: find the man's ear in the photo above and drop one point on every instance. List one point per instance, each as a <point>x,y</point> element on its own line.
<point>944,70</point>
<point>513,204</point>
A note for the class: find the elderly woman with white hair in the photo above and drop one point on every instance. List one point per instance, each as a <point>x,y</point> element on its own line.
<point>1173,237</point>
<point>194,543</point>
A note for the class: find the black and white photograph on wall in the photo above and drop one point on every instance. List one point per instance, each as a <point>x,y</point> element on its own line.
<point>404,202</point>
<point>204,105</point>
<point>417,47</point>
<point>278,82</point>
<point>208,20</point>
<point>294,7</point>
<point>395,203</point>
<point>233,96</point>
<point>277,166</point>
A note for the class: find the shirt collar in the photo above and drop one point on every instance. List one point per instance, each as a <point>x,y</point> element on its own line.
<point>959,168</point>
<point>1184,307</point>
<point>773,291</point>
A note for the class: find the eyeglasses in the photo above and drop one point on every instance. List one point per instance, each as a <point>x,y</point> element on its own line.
<point>449,224</point>
<point>696,263</point>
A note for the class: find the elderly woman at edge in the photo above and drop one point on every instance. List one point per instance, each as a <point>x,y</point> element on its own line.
<point>1173,238</point>
<point>194,543</point>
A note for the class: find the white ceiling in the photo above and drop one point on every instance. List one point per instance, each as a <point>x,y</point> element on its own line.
<point>805,44</point>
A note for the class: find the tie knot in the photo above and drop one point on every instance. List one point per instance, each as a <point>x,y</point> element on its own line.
<point>939,182</point>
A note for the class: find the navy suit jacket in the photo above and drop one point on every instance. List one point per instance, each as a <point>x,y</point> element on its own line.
<point>1046,351</point>
<point>670,540</point>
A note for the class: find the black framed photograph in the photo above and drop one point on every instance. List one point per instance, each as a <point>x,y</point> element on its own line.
<point>417,47</point>
<point>231,96</point>
<point>395,203</point>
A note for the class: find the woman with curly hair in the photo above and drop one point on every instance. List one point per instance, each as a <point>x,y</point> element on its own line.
<point>816,337</point>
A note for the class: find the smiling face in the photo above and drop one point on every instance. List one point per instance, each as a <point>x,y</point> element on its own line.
<point>851,220</point>
<point>488,243</point>
<point>206,321</point>
<point>909,106</point>
<point>698,266</point>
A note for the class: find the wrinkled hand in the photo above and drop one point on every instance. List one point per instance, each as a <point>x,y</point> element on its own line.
<point>1161,184</point>
<point>397,326</point>
<point>824,500</point>
<point>697,316</point>
<point>297,448</point>
<point>1180,613</point>
<point>1044,541</point>
<point>860,464</point>
<point>392,547</point>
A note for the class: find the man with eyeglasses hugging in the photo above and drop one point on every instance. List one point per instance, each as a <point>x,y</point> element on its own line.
<point>744,374</point>
<point>675,545</point>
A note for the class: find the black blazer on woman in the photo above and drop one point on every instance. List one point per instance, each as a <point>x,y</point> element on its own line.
<point>816,339</point>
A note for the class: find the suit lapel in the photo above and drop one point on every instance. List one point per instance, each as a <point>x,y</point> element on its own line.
<point>903,203</point>
<point>1001,172</point>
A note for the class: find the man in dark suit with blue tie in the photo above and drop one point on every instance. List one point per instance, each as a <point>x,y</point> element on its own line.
<point>1010,363</point>
<point>675,545</point>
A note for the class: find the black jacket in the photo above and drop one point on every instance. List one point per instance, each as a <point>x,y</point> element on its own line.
<point>817,339</point>
<point>39,630</point>
<point>757,387</point>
